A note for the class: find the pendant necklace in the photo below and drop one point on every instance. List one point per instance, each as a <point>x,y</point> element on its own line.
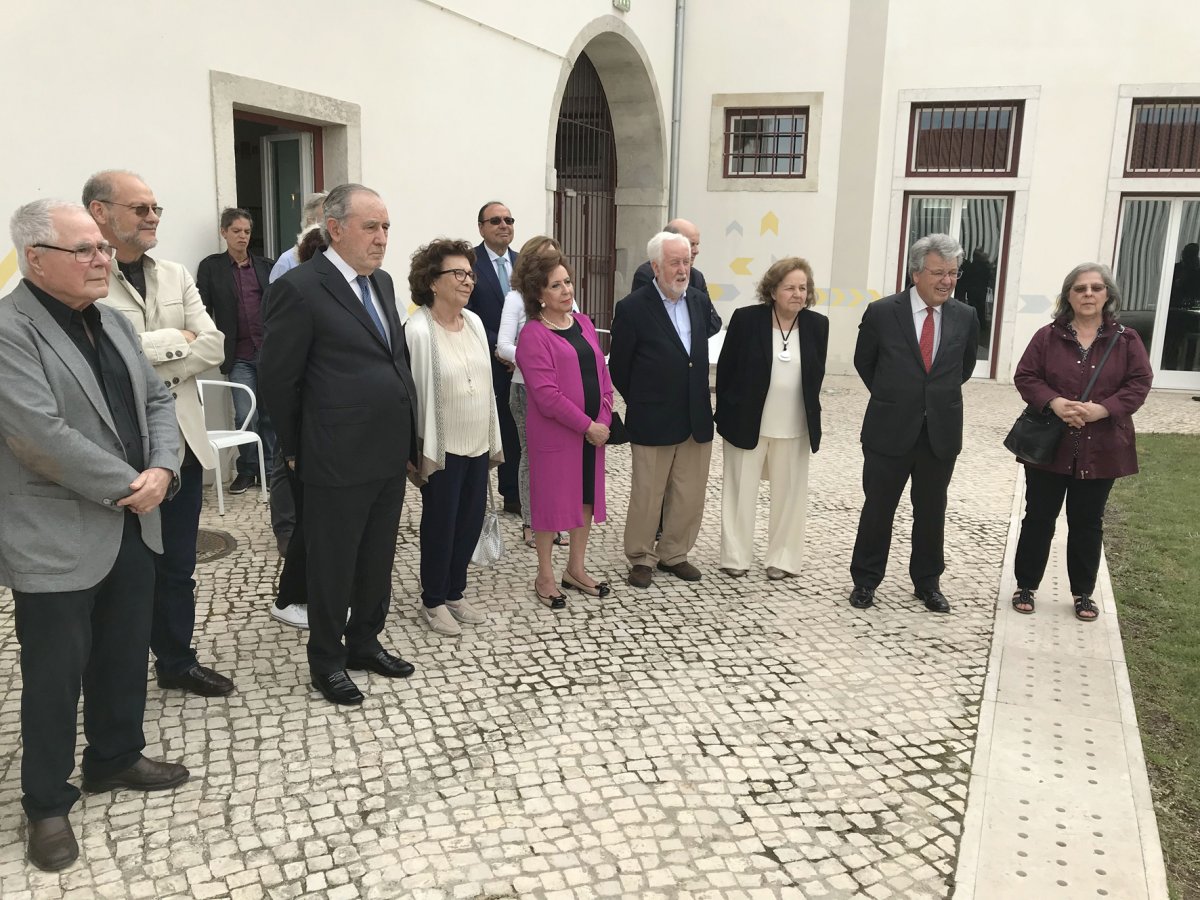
<point>784,355</point>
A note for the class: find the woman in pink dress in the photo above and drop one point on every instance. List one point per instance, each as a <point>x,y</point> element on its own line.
<point>566,426</point>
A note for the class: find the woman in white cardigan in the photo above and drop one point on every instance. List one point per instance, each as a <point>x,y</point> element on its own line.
<point>458,432</point>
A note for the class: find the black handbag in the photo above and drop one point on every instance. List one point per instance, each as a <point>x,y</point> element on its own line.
<point>616,431</point>
<point>1035,436</point>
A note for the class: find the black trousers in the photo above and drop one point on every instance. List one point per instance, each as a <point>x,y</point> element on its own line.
<point>282,498</point>
<point>350,544</point>
<point>174,587</point>
<point>452,504</point>
<point>293,578</point>
<point>97,638</point>
<point>1086,500</point>
<point>510,440</point>
<point>884,478</point>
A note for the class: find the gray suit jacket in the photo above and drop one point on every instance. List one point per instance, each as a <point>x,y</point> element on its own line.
<point>62,468</point>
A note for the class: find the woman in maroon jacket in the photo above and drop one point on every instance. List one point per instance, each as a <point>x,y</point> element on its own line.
<point>1098,445</point>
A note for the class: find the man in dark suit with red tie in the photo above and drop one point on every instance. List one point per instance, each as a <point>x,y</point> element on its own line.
<point>915,351</point>
<point>334,377</point>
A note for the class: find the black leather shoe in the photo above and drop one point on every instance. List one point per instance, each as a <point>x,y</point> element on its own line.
<point>862,597</point>
<point>684,570</point>
<point>336,687</point>
<point>934,601</point>
<point>198,680</point>
<point>143,775</point>
<point>512,505</point>
<point>243,483</point>
<point>381,663</point>
<point>51,844</point>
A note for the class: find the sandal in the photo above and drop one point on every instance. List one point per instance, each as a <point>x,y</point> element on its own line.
<point>1022,601</point>
<point>554,601</point>
<point>562,540</point>
<point>529,541</point>
<point>600,590</point>
<point>1085,609</point>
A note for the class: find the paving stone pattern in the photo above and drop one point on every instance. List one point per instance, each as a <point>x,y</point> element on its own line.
<point>731,738</point>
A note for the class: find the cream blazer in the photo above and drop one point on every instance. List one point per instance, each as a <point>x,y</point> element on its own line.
<point>173,305</point>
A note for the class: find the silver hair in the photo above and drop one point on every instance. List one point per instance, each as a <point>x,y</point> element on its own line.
<point>654,249</point>
<point>33,223</point>
<point>337,206</point>
<point>313,205</point>
<point>939,244</point>
<point>100,186</point>
<point>1112,306</point>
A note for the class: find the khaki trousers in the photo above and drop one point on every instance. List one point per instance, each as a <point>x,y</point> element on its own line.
<point>671,480</point>
<point>786,462</point>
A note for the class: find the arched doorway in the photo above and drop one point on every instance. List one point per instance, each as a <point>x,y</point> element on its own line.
<point>585,205</point>
<point>608,162</point>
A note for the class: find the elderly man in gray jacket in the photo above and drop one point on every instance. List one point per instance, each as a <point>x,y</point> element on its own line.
<point>90,449</point>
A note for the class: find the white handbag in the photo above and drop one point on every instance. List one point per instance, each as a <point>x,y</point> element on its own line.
<point>490,546</point>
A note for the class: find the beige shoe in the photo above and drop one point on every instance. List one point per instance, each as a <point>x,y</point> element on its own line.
<point>464,612</point>
<point>440,621</point>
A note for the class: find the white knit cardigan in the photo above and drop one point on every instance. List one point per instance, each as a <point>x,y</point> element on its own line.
<point>425,362</point>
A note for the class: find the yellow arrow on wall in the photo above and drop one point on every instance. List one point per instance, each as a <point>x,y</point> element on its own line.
<point>715,292</point>
<point>741,265</point>
<point>770,222</point>
<point>8,265</point>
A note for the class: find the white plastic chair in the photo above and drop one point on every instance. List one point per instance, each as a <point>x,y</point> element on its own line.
<point>223,439</point>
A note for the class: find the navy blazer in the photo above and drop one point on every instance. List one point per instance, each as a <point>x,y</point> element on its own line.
<point>664,385</point>
<point>214,281</point>
<point>645,274</point>
<point>744,372</point>
<point>487,300</point>
<point>903,395</point>
<point>342,402</point>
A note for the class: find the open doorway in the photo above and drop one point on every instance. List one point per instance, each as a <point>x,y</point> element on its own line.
<point>277,162</point>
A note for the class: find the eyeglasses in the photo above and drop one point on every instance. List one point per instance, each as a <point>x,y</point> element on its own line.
<point>1098,288</point>
<point>86,253</point>
<point>939,274</point>
<point>141,209</point>
<point>496,220</point>
<point>460,275</point>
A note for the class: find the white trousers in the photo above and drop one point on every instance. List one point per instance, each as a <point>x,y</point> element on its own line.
<point>785,461</point>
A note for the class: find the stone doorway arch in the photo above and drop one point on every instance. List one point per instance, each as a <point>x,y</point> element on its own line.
<point>639,134</point>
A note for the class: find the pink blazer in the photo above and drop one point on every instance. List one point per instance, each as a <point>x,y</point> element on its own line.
<point>555,423</point>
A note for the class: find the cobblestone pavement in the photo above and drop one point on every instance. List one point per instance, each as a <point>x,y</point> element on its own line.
<point>723,739</point>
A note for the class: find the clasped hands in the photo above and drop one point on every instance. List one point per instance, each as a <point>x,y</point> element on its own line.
<point>596,434</point>
<point>1077,413</point>
<point>149,489</point>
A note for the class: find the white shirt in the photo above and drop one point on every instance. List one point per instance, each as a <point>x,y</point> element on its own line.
<point>352,279</point>
<point>919,314</point>
<point>677,312</point>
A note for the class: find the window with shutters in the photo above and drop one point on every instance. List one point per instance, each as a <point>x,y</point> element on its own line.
<point>965,139</point>
<point>1164,138</point>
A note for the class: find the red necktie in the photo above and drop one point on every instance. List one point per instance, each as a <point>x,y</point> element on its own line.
<point>927,339</point>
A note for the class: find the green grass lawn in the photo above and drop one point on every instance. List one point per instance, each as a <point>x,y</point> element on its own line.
<point>1152,540</point>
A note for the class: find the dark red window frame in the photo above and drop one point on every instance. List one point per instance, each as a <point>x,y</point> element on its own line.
<point>976,139</point>
<point>769,150</point>
<point>1164,138</point>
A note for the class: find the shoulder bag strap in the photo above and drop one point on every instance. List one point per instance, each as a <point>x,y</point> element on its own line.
<point>1096,374</point>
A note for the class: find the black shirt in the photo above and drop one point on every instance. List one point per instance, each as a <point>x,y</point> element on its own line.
<point>135,274</point>
<point>106,364</point>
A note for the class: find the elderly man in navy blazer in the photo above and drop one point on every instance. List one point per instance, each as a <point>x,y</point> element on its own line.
<point>659,363</point>
<point>494,263</point>
<point>88,451</point>
<point>915,351</point>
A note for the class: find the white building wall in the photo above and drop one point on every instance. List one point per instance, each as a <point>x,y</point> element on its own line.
<point>456,98</point>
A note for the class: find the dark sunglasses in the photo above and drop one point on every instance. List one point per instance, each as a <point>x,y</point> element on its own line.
<point>496,220</point>
<point>140,209</point>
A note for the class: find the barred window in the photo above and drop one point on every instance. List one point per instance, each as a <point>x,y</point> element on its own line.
<point>766,142</point>
<point>965,138</point>
<point>1164,137</point>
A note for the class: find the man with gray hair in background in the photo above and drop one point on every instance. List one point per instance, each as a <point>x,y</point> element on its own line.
<point>659,363</point>
<point>314,208</point>
<point>915,351</point>
<point>88,451</point>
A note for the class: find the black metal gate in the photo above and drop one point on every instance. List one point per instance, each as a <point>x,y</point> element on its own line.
<point>585,209</point>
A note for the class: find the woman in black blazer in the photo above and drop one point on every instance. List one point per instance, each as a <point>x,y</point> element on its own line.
<point>769,414</point>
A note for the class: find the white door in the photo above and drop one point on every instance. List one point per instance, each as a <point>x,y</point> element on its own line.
<point>979,224</point>
<point>1158,271</point>
<point>287,178</point>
